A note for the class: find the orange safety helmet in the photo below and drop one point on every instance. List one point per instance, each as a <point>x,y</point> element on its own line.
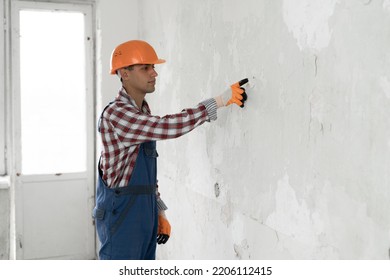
<point>131,53</point>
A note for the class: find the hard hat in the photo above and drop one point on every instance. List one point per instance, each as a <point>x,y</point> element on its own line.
<point>131,53</point>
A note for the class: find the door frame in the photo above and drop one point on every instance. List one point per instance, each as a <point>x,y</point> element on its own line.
<point>3,107</point>
<point>86,7</point>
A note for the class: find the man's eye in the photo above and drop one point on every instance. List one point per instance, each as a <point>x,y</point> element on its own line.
<point>147,67</point>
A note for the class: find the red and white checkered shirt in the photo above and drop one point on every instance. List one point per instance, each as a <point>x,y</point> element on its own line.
<point>123,127</point>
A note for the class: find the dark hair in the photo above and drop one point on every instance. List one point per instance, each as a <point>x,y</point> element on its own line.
<point>130,68</point>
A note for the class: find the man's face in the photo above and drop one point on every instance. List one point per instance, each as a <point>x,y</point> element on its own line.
<point>141,79</point>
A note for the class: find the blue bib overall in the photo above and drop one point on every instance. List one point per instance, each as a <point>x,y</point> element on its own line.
<point>126,217</point>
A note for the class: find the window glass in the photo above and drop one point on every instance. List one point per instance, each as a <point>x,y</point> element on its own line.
<point>53,92</point>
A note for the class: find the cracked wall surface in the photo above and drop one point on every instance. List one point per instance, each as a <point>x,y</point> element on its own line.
<point>302,172</point>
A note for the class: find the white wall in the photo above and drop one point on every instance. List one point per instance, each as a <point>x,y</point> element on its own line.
<point>116,22</point>
<point>303,169</point>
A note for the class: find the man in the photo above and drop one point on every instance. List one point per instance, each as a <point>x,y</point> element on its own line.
<point>129,213</point>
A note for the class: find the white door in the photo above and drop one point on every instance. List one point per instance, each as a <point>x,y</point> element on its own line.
<point>53,124</point>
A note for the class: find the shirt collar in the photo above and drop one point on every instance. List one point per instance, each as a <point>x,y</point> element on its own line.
<point>124,97</point>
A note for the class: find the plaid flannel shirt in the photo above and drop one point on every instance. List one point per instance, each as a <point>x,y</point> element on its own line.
<point>123,127</point>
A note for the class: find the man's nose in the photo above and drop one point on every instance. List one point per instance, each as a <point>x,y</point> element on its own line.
<point>154,73</point>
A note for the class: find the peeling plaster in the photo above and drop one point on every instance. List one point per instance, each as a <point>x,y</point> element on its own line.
<point>292,217</point>
<point>308,21</point>
<point>242,250</point>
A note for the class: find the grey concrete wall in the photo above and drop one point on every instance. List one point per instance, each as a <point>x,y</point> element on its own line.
<point>302,172</point>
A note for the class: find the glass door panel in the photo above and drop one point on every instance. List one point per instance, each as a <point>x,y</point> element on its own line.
<point>53,92</point>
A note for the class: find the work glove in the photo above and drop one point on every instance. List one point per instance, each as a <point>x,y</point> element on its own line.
<point>163,229</point>
<point>236,94</point>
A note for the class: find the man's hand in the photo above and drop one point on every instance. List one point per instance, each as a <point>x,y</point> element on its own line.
<point>239,95</point>
<point>163,229</point>
<point>236,94</point>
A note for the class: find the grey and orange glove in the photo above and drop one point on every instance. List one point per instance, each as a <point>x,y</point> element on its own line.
<point>163,229</point>
<point>236,94</point>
